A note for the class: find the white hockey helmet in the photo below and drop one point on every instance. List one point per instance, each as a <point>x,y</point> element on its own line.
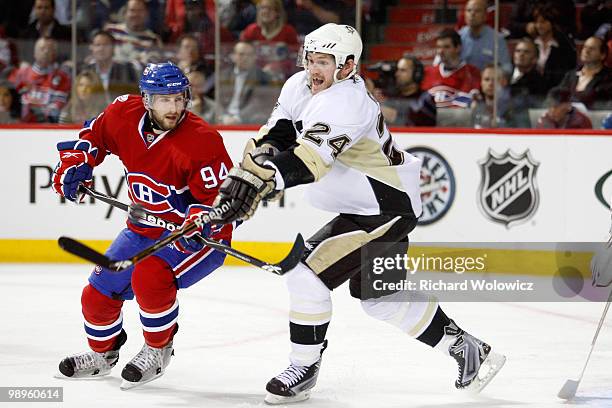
<point>338,40</point>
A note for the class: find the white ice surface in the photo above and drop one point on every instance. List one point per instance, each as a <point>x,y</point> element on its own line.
<point>234,336</point>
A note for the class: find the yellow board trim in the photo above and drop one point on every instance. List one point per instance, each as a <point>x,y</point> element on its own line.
<point>507,261</point>
<point>48,251</point>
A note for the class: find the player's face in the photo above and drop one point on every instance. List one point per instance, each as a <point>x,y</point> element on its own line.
<point>167,109</point>
<point>321,69</point>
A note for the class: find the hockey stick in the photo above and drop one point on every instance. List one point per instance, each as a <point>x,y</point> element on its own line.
<point>568,391</point>
<point>83,251</point>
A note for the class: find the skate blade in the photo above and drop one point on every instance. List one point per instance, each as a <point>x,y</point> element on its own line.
<point>569,390</point>
<point>491,366</point>
<point>273,399</point>
<point>128,385</point>
<point>61,376</point>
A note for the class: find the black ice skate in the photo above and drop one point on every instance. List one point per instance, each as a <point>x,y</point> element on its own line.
<point>294,384</point>
<point>477,363</point>
<point>91,364</point>
<point>148,365</point>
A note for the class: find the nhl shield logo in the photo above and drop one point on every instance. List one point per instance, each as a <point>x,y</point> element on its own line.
<point>508,193</point>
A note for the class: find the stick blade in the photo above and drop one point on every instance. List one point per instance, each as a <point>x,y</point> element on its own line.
<point>83,251</point>
<point>294,257</point>
<point>568,391</point>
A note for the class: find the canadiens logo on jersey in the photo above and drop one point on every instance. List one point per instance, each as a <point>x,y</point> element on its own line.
<point>508,193</point>
<point>437,184</point>
<point>146,191</point>
<point>446,96</point>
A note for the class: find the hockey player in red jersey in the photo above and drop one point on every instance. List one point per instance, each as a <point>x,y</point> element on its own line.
<point>174,164</point>
<point>351,167</point>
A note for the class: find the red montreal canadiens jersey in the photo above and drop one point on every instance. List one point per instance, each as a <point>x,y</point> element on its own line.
<point>166,173</point>
<point>452,89</point>
<point>43,92</point>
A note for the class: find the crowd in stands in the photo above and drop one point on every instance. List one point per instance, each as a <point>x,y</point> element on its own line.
<point>540,70</point>
<point>551,60</point>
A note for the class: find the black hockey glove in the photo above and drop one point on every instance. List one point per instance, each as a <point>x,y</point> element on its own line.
<point>245,186</point>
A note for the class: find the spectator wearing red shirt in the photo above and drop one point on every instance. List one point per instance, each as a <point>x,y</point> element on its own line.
<point>561,114</point>
<point>271,25</point>
<point>452,82</point>
<point>276,41</point>
<point>43,87</point>
<point>197,18</point>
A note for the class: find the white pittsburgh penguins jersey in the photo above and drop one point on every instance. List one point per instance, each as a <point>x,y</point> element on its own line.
<point>343,140</point>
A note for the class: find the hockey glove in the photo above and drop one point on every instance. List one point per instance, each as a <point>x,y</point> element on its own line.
<point>75,167</point>
<point>244,188</point>
<point>188,244</point>
<point>260,155</point>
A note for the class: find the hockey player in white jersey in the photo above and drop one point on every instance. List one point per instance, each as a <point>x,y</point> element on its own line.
<point>328,132</point>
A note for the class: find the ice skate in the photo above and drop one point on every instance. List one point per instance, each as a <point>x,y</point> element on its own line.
<point>293,384</point>
<point>477,363</point>
<point>148,365</point>
<point>91,364</point>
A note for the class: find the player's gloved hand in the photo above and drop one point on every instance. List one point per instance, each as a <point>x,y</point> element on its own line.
<point>245,186</point>
<point>188,244</point>
<point>77,159</point>
<point>601,266</point>
<point>260,154</point>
